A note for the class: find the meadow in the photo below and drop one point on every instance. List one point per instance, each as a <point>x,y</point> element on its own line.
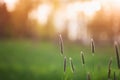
<point>29,60</point>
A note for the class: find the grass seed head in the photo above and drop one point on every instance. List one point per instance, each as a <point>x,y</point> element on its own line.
<point>65,63</point>
<point>109,69</point>
<point>82,58</point>
<point>115,76</point>
<point>88,76</point>
<point>110,62</point>
<point>117,54</point>
<point>61,44</point>
<point>71,65</point>
<point>92,46</point>
<point>109,74</point>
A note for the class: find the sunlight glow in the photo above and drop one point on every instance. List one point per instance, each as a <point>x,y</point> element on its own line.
<point>41,13</point>
<point>72,30</point>
<point>59,20</point>
<point>71,14</point>
<point>11,4</point>
<point>92,9</point>
<point>88,8</point>
<point>113,3</point>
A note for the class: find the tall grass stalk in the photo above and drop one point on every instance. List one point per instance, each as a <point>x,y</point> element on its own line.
<point>65,63</point>
<point>61,44</point>
<point>83,63</point>
<point>71,65</point>
<point>92,46</point>
<point>88,76</point>
<point>109,69</point>
<point>114,76</point>
<point>82,58</point>
<point>117,54</point>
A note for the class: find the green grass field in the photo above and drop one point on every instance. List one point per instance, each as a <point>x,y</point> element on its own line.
<point>27,60</point>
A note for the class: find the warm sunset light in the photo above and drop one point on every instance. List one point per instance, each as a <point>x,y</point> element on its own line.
<point>88,8</point>
<point>34,33</point>
<point>70,14</point>
<point>110,3</point>
<point>92,9</point>
<point>59,20</point>
<point>73,15</point>
<point>69,11</point>
<point>11,4</point>
<point>41,13</point>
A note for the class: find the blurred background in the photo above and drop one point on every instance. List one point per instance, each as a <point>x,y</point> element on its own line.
<point>29,31</point>
<point>77,20</point>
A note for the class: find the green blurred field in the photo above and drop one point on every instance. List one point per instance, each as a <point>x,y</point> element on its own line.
<point>27,60</point>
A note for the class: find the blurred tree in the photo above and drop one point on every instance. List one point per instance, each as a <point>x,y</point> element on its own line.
<point>20,20</point>
<point>4,21</point>
<point>101,27</point>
